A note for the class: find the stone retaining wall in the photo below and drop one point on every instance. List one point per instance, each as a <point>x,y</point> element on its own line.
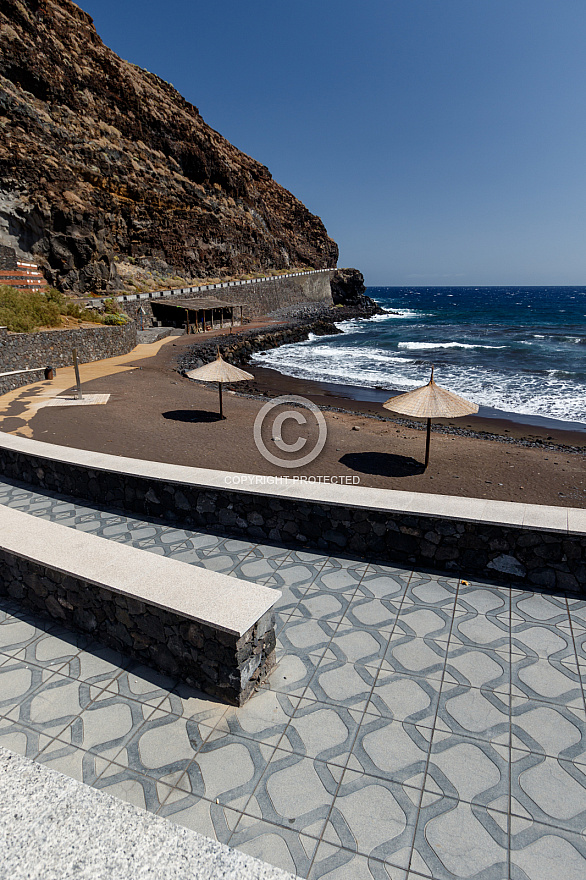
<point>16,379</point>
<point>219,663</point>
<point>19,351</point>
<point>274,293</point>
<point>542,556</point>
<point>259,296</point>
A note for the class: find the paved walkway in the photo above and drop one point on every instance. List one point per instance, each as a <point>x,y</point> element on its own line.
<point>26,401</point>
<point>416,726</point>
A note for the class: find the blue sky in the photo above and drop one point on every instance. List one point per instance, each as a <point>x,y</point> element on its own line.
<point>440,141</point>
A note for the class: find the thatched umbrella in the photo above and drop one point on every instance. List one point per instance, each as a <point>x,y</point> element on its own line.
<point>431,402</point>
<point>219,371</point>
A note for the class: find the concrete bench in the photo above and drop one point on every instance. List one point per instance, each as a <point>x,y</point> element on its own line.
<point>210,630</point>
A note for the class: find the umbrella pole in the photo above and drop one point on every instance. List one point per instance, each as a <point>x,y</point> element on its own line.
<point>221,409</point>
<point>427,441</point>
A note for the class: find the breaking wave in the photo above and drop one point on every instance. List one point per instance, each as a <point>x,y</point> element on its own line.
<point>428,346</point>
<point>517,351</point>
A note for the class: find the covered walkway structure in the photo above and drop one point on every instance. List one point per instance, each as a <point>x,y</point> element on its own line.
<point>198,314</point>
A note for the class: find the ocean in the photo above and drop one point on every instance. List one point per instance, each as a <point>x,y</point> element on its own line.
<point>519,352</point>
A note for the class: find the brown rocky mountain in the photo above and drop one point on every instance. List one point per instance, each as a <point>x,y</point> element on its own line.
<point>105,167</point>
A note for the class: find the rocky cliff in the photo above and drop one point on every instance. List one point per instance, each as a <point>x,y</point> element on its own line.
<point>105,167</point>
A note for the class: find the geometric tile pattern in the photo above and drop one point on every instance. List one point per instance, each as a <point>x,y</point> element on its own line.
<point>416,726</point>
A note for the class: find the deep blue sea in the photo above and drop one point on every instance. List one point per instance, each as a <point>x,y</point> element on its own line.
<point>519,350</point>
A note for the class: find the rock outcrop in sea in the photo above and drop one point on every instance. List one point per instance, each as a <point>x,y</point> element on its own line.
<point>349,295</point>
<point>104,168</point>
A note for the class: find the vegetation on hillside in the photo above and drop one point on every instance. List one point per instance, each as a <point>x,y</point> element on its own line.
<point>23,311</point>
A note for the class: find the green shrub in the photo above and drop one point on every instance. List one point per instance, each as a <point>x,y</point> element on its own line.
<point>117,319</point>
<point>112,314</point>
<point>54,296</point>
<point>111,306</point>
<point>23,311</point>
<point>90,315</point>
<point>72,309</point>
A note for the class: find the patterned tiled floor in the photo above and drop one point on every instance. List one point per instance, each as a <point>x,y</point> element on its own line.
<point>416,725</point>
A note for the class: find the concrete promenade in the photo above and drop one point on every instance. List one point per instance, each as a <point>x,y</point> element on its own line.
<point>417,726</point>
<point>52,826</point>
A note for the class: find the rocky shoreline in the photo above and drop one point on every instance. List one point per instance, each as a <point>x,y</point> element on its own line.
<point>238,346</point>
<point>468,432</point>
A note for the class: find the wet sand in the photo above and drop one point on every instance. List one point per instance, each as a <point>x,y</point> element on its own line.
<point>156,414</point>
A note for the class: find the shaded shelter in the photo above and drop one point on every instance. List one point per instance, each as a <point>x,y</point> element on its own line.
<point>219,371</point>
<point>197,312</point>
<point>429,402</point>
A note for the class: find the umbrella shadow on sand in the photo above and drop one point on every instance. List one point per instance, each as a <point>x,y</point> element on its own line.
<point>191,415</point>
<point>382,464</point>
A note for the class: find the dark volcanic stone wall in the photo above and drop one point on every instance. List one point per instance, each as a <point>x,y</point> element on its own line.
<point>256,297</point>
<point>265,296</point>
<point>532,557</point>
<point>20,378</point>
<point>213,661</point>
<point>21,351</point>
<point>102,161</point>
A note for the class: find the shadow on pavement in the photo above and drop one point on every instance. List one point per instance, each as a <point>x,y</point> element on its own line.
<point>383,463</point>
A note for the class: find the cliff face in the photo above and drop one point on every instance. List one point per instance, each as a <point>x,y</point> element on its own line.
<point>103,166</point>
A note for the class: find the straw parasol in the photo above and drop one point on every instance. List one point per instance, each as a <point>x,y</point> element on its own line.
<point>431,402</point>
<point>219,371</point>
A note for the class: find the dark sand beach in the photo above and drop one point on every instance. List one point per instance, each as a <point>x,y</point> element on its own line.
<point>156,414</point>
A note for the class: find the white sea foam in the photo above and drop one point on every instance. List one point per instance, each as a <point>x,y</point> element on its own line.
<point>394,314</point>
<point>553,395</point>
<point>330,363</point>
<point>401,313</point>
<point>359,325</point>
<point>558,338</point>
<point>427,346</point>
